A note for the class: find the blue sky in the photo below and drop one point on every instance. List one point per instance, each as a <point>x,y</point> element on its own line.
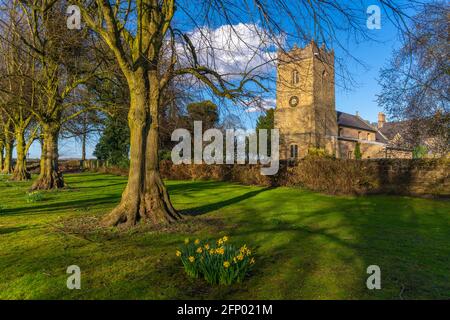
<point>361,97</point>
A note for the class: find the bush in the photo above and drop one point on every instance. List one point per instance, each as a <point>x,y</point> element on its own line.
<point>165,155</point>
<point>318,153</point>
<point>358,154</point>
<point>420,152</point>
<point>218,262</point>
<point>34,196</point>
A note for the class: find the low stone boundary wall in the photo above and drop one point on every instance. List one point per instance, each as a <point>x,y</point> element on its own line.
<point>424,177</point>
<point>386,176</point>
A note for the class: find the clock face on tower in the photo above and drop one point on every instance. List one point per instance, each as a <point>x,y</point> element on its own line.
<point>293,101</point>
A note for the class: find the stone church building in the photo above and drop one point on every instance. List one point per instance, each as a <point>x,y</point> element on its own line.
<point>306,112</point>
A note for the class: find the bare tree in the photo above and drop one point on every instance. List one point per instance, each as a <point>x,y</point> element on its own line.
<point>415,84</point>
<point>63,64</point>
<point>18,95</point>
<point>83,127</point>
<point>8,143</point>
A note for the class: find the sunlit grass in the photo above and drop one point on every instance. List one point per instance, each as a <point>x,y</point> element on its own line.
<point>308,246</point>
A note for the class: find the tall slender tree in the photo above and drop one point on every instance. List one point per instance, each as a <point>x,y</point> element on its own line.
<point>416,81</point>
<point>8,142</point>
<point>18,94</point>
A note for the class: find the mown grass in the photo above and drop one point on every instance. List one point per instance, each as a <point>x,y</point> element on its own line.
<point>308,245</point>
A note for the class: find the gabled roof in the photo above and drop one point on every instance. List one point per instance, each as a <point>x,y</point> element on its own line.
<point>391,129</point>
<point>352,121</point>
<point>381,138</point>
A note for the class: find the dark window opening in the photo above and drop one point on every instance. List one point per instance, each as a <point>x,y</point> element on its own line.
<point>294,151</point>
<point>295,77</point>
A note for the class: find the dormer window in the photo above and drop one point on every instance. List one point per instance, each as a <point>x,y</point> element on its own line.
<point>295,77</point>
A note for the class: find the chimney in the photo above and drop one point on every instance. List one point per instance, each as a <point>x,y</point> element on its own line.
<point>357,113</point>
<point>381,120</point>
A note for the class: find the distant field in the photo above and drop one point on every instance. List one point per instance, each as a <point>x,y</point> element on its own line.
<point>307,245</point>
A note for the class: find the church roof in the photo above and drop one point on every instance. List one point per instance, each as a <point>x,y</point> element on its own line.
<point>352,121</point>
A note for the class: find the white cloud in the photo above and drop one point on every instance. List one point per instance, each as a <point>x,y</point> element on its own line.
<point>234,49</point>
<point>261,104</point>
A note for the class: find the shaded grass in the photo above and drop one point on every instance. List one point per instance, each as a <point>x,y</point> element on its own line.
<point>308,245</point>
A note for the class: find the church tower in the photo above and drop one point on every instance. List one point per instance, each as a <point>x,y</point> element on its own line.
<point>305,111</point>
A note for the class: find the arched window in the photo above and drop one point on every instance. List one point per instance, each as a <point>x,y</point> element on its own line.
<point>294,151</point>
<point>359,135</point>
<point>368,136</point>
<point>295,77</point>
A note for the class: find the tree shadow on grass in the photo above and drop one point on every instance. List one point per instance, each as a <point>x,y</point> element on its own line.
<point>192,186</point>
<point>97,186</point>
<point>62,206</point>
<point>339,240</point>
<point>221,204</point>
<point>7,230</point>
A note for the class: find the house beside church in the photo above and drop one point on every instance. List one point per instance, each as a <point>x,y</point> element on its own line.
<point>306,113</point>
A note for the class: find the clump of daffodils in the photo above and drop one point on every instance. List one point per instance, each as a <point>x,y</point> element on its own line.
<point>218,262</point>
<point>34,196</point>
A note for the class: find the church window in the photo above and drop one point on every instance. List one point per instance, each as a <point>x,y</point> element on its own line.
<point>294,151</point>
<point>349,154</point>
<point>368,136</point>
<point>359,135</point>
<point>295,77</point>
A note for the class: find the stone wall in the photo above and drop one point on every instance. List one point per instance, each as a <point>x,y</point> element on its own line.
<point>381,176</point>
<point>424,178</point>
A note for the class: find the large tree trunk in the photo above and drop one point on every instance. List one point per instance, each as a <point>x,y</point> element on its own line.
<point>83,140</point>
<point>83,147</point>
<point>7,164</point>
<point>20,170</point>
<point>157,200</point>
<point>145,196</point>
<point>49,177</point>
<point>2,149</point>
<point>42,159</point>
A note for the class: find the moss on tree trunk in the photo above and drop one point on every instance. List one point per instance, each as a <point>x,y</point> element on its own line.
<point>2,150</point>
<point>145,196</point>
<point>20,170</point>
<point>50,177</point>
<point>7,162</point>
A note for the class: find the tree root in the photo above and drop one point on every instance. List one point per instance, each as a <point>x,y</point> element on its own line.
<point>154,205</point>
<point>49,182</point>
<point>21,175</point>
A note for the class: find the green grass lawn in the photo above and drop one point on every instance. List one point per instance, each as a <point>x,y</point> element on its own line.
<point>307,245</point>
